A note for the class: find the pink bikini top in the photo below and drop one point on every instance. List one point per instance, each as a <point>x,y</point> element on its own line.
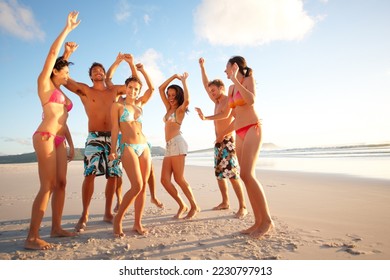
<point>58,97</point>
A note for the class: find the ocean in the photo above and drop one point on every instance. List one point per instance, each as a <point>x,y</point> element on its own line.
<point>370,161</point>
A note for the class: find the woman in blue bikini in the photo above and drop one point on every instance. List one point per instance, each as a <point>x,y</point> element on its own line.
<point>242,95</point>
<point>135,153</point>
<point>49,142</point>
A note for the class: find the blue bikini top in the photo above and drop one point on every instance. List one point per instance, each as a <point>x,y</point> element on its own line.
<point>127,117</point>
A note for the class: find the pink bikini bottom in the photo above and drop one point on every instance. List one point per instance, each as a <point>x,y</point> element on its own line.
<point>57,139</point>
<point>241,132</point>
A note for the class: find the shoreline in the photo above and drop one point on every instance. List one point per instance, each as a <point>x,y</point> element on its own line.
<point>318,216</point>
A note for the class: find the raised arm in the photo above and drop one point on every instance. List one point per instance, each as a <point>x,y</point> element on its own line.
<point>162,88</point>
<point>130,60</point>
<point>112,69</point>
<point>148,93</point>
<point>120,89</point>
<point>70,47</point>
<point>205,79</point>
<point>186,102</point>
<point>44,77</point>
<point>248,92</point>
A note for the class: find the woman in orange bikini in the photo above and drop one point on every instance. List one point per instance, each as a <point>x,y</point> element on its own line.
<point>49,142</point>
<point>247,125</point>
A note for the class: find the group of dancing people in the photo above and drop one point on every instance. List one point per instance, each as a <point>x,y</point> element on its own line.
<point>115,139</point>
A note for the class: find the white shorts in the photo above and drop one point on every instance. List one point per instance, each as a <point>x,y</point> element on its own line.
<point>176,146</point>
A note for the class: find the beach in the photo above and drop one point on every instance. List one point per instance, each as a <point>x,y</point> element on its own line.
<point>318,216</point>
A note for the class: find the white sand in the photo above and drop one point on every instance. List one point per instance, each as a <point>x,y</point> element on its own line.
<point>317,217</point>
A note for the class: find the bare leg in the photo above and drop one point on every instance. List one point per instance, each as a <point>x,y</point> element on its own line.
<point>87,192</point>
<point>131,166</point>
<point>248,151</point>
<point>178,163</point>
<point>223,187</point>
<point>46,156</point>
<point>118,192</point>
<point>110,192</point>
<point>242,210</point>
<point>58,196</point>
<point>166,174</point>
<point>139,208</point>
<point>145,168</point>
<point>152,187</point>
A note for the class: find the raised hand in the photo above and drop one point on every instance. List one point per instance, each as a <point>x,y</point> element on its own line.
<point>70,47</point>
<point>182,77</point>
<point>72,22</point>
<point>234,71</point>
<point>128,58</point>
<point>140,67</point>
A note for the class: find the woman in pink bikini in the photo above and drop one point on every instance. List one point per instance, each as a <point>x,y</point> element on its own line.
<point>49,142</point>
<point>247,125</point>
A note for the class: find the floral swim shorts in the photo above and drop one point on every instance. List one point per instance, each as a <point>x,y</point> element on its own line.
<point>225,159</point>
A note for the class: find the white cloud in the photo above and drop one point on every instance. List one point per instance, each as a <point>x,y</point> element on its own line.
<point>151,60</point>
<point>19,21</point>
<point>26,142</point>
<point>123,11</point>
<point>147,19</point>
<point>251,22</point>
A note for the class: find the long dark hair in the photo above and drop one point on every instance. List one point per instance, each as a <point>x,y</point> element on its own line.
<point>241,62</point>
<point>179,94</point>
<point>59,64</point>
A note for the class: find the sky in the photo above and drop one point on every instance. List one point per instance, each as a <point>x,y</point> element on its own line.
<point>322,67</point>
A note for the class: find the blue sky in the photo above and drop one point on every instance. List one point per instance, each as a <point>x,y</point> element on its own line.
<point>322,66</point>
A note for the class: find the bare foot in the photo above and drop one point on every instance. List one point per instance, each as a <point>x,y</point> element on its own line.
<point>222,206</point>
<point>117,228</point>
<point>108,219</point>
<point>116,207</point>
<point>192,213</point>
<point>157,202</point>
<point>81,225</point>
<point>249,230</point>
<point>140,230</point>
<point>241,213</point>
<point>62,233</point>
<point>181,211</point>
<point>119,235</point>
<point>263,229</point>
<point>37,244</point>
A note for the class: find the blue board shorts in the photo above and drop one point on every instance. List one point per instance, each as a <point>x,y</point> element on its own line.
<point>97,150</point>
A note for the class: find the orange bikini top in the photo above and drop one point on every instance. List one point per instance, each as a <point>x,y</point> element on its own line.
<point>235,99</point>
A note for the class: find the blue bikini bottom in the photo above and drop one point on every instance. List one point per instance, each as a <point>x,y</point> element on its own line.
<point>138,148</point>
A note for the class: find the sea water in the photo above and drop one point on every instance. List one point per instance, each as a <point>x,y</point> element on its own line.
<point>371,161</point>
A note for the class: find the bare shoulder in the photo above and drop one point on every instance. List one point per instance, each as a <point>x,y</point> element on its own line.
<point>117,89</point>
